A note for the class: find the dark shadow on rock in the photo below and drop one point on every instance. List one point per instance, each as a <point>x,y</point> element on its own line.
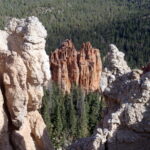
<point>5,140</point>
<point>37,143</point>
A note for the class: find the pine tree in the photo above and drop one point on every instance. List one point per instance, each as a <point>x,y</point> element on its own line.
<point>45,111</point>
<point>82,116</point>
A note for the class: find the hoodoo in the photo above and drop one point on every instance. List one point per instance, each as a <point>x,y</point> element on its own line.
<point>24,70</point>
<point>82,68</point>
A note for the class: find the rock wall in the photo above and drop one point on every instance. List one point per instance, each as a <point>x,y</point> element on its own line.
<point>82,68</point>
<point>24,71</point>
<point>126,121</point>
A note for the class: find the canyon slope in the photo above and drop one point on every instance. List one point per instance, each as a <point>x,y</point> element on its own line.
<point>126,120</point>
<point>24,71</point>
<point>71,67</point>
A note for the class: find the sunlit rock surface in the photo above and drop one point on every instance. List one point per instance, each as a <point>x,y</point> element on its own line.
<point>24,71</point>
<point>126,120</point>
<point>71,67</point>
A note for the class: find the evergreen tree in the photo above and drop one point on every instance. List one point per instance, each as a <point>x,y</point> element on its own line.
<point>124,23</point>
<point>70,116</point>
<point>45,111</point>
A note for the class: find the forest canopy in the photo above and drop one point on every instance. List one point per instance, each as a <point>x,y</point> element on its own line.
<point>125,23</point>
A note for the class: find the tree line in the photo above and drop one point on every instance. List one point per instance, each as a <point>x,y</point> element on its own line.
<point>70,116</point>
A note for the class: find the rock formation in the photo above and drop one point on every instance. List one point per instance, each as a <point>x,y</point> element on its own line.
<point>82,68</point>
<point>24,70</point>
<point>126,121</point>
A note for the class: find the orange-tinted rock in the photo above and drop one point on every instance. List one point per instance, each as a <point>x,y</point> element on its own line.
<point>82,68</point>
<point>64,68</point>
<point>90,67</point>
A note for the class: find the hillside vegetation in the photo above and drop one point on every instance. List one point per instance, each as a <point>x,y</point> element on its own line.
<point>123,22</point>
<point>71,116</point>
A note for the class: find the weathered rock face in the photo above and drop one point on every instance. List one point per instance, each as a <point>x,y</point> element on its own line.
<point>4,137</point>
<point>24,70</point>
<point>126,122</point>
<point>82,68</point>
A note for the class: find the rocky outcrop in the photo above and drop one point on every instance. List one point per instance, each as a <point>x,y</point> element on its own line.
<point>24,70</point>
<point>126,121</point>
<point>71,67</point>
